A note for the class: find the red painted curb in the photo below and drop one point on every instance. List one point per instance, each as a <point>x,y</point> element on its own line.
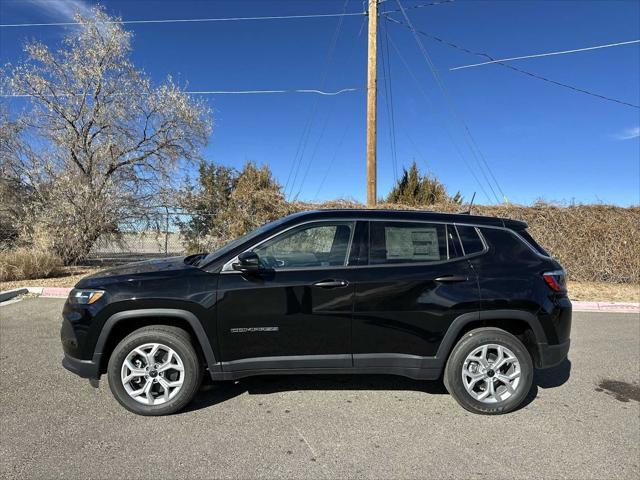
<point>628,307</point>
<point>55,292</point>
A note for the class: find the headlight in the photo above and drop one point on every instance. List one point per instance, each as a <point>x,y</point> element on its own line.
<point>85,297</point>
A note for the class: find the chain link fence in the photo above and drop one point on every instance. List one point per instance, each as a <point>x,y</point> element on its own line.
<point>156,235</point>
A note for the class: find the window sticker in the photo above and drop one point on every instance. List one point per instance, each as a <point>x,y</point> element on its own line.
<point>412,243</point>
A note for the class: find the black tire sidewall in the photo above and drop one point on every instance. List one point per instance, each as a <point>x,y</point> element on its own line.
<point>181,345</point>
<point>468,343</point>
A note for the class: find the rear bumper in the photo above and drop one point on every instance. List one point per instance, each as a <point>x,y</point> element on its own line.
<point>552,355</point>
<point>82,368</point>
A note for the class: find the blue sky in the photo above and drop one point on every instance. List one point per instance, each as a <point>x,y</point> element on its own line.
<point>540,140</point>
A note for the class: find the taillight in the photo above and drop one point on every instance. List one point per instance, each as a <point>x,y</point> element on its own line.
<point>556,280</point>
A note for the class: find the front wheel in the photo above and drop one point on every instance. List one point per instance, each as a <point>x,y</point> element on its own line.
<point>154,371</point>
<point>489,371</point>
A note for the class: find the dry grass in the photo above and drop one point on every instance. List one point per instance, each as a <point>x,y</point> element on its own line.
<point>26,263</point>
<point>67,277</point>
<point>606,292</point>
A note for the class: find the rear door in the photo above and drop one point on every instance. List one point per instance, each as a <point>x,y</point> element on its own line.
<point>417,281</point>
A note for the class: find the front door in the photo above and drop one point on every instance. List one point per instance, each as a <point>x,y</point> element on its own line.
<point>417,282</point>
<point>296,313</point>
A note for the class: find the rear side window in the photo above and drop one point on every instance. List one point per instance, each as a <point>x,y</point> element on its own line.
<point>411,242</point>
<point>471,241</point>
<point>524,234</point>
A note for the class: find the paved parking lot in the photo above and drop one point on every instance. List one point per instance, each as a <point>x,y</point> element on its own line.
<point>584,421</point>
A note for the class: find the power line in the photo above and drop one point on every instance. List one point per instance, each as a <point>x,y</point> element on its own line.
<point>422,5</point>
<point>188,20</point>
<point>306,132</point>
<point>313,156</point>
<point>515,69</point>
<point>326,120</point>
<point>444,124</point>
<point>388,95</point>
<point>335,155</point>
<point>345,130</point>
<point>224,92</point>
<point>538,55</point>
<point>473,146</point>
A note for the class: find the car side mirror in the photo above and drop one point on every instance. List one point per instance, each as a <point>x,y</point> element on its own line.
<point>248,262</point>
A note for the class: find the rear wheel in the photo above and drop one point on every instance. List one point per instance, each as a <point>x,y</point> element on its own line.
<point>155,370</point>
<point>489,371</point>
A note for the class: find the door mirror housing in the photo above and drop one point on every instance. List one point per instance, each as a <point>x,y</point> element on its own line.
<point>248,262</point>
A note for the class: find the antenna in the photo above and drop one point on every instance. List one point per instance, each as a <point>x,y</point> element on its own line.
<point>468,212</point>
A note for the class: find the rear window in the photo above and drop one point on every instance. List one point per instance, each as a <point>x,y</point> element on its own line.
<point>524,234</point>
<point>408,242</point>
<point>471,241</point>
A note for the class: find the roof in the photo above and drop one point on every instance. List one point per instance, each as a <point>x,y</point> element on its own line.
<point>374,214</point>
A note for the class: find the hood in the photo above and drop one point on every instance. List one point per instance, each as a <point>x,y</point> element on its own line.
<point>156,267</point>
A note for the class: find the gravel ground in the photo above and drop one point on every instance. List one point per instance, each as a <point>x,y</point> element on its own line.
<point>584,421</point>
<point>68,278</point>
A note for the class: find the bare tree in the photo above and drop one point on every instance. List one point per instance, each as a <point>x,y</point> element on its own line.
<point>104,141</point>
<point>13,195</point>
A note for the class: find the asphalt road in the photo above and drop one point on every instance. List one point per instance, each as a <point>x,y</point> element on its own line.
<point>584,421</point>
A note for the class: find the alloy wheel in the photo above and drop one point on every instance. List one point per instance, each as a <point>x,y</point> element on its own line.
<point>152,374</point>
<point>491,373</point>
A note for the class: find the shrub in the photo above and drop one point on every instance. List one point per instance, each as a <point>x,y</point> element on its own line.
<point>25,263</point>
<point>413,188</point>
<point>230,203</point>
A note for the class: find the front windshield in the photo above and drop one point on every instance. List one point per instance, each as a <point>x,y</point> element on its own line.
<point>210,257</point>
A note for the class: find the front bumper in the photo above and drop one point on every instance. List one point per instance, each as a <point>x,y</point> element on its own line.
<point>552,355</point>
<point>83,368</point>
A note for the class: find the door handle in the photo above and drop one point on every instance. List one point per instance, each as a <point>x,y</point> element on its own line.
<point>331,284</point>
<point>451,279</point>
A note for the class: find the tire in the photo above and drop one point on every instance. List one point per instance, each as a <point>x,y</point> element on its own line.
<point>468,374</point>
<point>169,390</point>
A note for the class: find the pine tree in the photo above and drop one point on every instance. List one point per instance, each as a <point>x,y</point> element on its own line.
<point>415,189</point>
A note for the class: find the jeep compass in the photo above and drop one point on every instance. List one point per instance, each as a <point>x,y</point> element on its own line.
<point>471,300</point>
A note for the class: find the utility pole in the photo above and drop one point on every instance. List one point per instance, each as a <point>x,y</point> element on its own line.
<point>371,103</point>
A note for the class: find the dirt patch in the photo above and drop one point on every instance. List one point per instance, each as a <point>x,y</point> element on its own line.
<point>68,277</point>
<point>606,292</point>
<point>621,391</point>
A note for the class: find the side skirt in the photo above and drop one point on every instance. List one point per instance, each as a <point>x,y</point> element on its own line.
<point>414,373</point>
<point>419,368</point>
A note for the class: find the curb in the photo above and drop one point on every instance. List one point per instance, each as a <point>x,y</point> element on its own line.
<point>613,307</point>
<point>9,294</point>
<point>54,292</point>
<point>44,292</point>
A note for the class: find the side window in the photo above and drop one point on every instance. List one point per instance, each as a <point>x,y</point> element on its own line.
<point>471,241</point>
<point>524,234</point>
<point>407,242</point>
<point>318,245</point>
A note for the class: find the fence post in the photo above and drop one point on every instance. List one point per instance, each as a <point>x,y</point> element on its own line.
<point>166,234</point>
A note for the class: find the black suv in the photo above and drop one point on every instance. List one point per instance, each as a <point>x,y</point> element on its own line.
<point>473,300</point>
